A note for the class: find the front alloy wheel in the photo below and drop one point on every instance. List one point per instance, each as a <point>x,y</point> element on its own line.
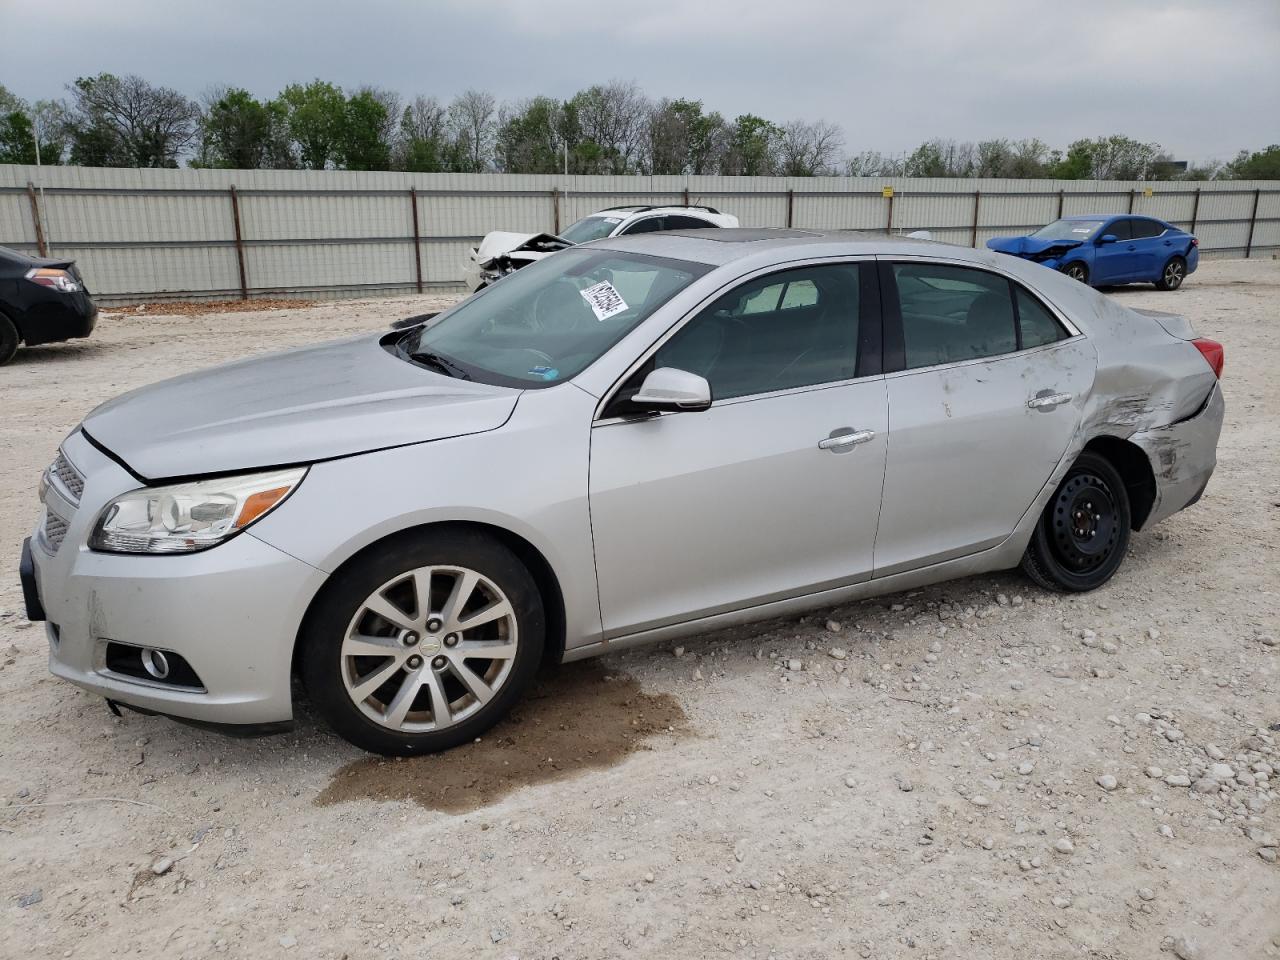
<point>423,644</point>
<point>1077,271</point>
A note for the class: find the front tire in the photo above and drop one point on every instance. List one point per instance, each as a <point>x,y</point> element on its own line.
<point>423,644</point>
<point>1077,271</point>
<point>1083,532</point>
<point>8,339</point>
<point>1174,272</point>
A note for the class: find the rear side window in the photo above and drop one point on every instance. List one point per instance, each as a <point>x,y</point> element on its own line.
<point>951,314</point>
<point>676,222</point>
<point>1036,324</point>
<point>1121,230</point>
<point>1144,229</point>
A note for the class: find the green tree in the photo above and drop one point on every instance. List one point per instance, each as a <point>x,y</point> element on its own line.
<point>363,144</point>
<point>315,116</point>
<point>1260,165</point>
<point>529,138</point>
<point>240,132</point>
<point>753,147</point>
<point>423,144</point>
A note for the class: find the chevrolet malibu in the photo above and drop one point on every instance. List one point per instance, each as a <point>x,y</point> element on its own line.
<point>629,441</point>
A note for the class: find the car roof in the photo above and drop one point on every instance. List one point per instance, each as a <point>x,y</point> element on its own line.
<point>675,208</point>
<point>1110,216</point>
<point>723,245</point>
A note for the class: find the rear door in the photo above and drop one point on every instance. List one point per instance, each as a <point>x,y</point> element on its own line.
<point>1115,262</point>
<point>1152,248</point>
<point>984,385</point>
<point>772,492</point>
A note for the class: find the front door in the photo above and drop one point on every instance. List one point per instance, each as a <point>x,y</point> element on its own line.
<point>1115,262</point>
<point>980,415</point>
<point>771,493</point>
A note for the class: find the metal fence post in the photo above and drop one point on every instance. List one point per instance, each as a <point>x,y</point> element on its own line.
<point>686,196</point>
<point>555,209</point>
<point>38,219</point>
<point>791,207</point>
<point>973,234</point>
<point>1253,219</point>
<point>1195,210</point>
<point>417,241</point>
<point>888,223</point>
<point>235,216</point>
<point>1062,196</point>
<point>1132,194</point>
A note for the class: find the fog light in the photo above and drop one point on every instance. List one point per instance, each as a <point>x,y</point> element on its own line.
<point>155,663</point>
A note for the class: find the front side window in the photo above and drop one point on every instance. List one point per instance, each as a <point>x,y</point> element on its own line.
<point>1120,229</point>
<point>679,222</point>
<point>951,314</point>
<point>647,225</point>
<point>790,329</point>
<point>550,320</point>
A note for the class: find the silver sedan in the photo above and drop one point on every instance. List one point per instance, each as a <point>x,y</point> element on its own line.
<point>629,441</point>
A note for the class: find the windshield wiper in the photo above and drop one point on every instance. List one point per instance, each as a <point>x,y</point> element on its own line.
<point>440,362</point>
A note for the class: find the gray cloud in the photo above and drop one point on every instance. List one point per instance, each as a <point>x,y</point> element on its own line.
<point>1201,78</point>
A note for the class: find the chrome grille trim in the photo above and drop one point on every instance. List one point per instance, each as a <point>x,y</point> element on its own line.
<point>54,531</point>
<point>68,478</point>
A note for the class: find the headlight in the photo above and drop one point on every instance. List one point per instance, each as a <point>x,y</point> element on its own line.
<point>190,516</point>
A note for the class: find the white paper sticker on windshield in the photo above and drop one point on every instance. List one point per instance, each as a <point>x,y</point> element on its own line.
<point>612,219</point>
<point>1082,229</point>
<point>604,300</point>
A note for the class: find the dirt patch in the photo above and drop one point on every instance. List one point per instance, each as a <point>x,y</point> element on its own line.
<point>197,308</point>
<point>578,718</point>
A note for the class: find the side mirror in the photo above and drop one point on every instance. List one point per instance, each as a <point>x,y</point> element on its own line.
<point>1108,238</point>
<point>667,388</point>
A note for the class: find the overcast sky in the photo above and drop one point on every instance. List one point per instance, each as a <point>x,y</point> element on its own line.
<point>1201,77</point>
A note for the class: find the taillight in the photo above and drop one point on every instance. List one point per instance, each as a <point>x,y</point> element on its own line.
<point>1212,352</point>
<point>56,279</point>
<point>1195,242</point>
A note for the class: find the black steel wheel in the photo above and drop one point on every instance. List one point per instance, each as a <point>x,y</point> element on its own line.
<point>1083,532</point>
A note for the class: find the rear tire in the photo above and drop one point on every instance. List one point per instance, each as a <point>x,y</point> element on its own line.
<point>9,339</point>
<point>1077,271</point>
<point>1174,272</point>
<point>424,643</point>
<point>1083,532</point>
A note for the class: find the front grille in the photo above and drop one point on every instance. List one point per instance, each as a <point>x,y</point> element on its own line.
<point>55,530</point>
<point>68,477</point>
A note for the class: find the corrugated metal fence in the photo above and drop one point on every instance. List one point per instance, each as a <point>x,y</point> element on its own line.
<point>148,234</point>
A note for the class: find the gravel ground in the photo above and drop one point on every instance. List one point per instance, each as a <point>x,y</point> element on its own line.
<point>979,769</point>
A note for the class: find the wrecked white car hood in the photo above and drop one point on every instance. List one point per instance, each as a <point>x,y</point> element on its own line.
<point>529,246</point>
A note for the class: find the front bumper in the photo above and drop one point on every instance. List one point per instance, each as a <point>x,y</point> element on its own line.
<point>232,612</point>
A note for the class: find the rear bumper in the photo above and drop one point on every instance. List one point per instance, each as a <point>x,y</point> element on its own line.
<point>1183,456</point>
<point>54,317</point>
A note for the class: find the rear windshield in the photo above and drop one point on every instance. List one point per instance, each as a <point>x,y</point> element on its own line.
<point>549,321</point>
<point>1068,230</point>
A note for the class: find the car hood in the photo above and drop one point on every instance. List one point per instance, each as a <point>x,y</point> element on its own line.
<point>1029,246</point>
<point>315,403</point>
<point>499,243</point>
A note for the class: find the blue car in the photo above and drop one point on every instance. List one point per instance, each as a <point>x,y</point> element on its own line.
<point>1105,250</point>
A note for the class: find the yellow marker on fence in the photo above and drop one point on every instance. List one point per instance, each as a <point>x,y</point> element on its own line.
<point>887,191</point>
<point>1146,192</point>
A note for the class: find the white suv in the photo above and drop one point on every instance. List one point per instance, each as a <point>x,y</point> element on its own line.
<point>500,252</point>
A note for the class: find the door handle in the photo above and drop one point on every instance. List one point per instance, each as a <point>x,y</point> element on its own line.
<point>845,439</point>
<point>1048,401</point>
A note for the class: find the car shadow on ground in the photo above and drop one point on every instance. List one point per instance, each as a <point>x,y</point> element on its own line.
<point>69,352</point>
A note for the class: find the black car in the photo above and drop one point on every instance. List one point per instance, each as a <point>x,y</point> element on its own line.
<point>41,301</point>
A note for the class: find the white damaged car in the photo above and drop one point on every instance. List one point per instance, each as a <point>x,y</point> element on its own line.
<point>501,252</point>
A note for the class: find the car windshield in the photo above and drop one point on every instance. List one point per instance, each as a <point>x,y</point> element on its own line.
<point>590,228</point>
<point>1068,230</point>
<point>550,320</point>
